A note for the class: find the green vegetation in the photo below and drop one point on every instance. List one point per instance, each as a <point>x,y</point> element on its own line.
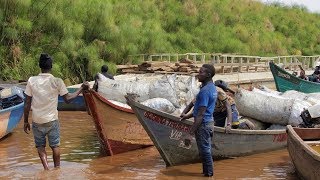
<point>84,34</point>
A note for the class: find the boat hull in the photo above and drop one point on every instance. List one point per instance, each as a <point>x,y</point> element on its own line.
<point>305,159</point>
<point>285,81</point>
<point>168,134</point>
<point>118,128</point>
<point>77,104</point>
<point>10,118</point>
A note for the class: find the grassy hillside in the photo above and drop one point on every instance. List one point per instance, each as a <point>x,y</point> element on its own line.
<point>83,35</point>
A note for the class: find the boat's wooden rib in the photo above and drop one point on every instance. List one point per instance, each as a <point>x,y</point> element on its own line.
<point>118,128</point>
<point>168,134</point>
<point>305,159</point>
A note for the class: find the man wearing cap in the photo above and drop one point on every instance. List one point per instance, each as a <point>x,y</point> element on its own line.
<point>225,107</point>
<point>42,93</point>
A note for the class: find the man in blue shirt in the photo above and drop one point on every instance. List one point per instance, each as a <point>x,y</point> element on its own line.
<point>203,109</point>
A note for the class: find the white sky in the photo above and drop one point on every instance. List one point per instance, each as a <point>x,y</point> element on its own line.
<point>312,5</point>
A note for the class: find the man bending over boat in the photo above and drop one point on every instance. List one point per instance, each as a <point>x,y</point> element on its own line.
<point>203,120</point>
<point>42,93</point>
<point>226,109</point>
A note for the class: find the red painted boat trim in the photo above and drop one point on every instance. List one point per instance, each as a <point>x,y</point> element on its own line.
<point>98,123</point>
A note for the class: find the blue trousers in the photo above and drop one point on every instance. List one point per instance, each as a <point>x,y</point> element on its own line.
<point>203,136</point>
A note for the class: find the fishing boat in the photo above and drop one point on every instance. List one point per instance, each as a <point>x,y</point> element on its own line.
<point>285,81</point>
<point>304,151</point>
<point>168,134</point>
<point>118,128</point>
<point>77,104</point>
<point>11,109</point>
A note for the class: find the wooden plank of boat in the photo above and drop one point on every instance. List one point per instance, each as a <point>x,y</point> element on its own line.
<point>285,81</point>
<point>10,118</point>
<point>118,128</point>
<point>168,133</point>
<point>305,159</point>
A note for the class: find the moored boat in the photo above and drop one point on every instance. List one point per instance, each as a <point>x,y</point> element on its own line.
<point>11,110</point>
<point>168,133</point>
<point>77,104</point>
<point>118,128</point>
<point>285,81</point>
<point>305,158</point>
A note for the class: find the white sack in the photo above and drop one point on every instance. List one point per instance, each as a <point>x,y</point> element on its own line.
<point>192,89</point>
<point>164,88</point>
<point>268,108</point>
<point>314,111</point>
<point>312,98</point>
<point>116,90</point>
<point>160,104</point>
<point>186,89</point>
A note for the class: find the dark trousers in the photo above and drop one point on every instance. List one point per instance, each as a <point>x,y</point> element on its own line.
<point>220,117</point>
<point>203,137</point>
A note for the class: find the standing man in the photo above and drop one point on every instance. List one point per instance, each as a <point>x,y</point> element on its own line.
<point>42,97</point>
<point>203,119</point>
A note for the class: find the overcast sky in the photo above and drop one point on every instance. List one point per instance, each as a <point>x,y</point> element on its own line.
<point>312,5</point>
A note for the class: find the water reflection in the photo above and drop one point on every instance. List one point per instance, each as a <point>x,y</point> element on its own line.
<point>81,159</point>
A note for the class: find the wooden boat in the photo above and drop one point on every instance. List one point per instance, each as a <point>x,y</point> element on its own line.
<point>118,128</point>
<point>168,134</point>
<point>305,159</point>
<point>11,112</point>
<point>77,104</point>
<point>285,81</point>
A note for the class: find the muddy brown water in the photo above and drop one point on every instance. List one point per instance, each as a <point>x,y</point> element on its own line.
<point>81,159</point>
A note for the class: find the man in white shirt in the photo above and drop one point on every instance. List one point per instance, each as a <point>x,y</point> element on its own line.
<point>42,93</point>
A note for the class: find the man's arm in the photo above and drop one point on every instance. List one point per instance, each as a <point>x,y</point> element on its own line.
<point>229,115</point>
<point>198,119</point>
<point>27,107</point>
<point>70,96</point>
<point>184,115</point>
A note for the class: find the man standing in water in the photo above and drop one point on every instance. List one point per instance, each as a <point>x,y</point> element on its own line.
<point>42,97</point>
<point>203,119</point>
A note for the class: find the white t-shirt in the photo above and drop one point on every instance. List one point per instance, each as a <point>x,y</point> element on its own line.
<point>44,90</point>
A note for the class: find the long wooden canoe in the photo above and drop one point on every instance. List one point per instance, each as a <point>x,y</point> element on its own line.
<point>10,116</point>
<point>168,134</point>
<point>285,81</point>
<point>118,128</point>
<point>305,159</point>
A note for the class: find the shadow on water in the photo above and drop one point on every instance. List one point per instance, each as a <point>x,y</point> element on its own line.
<point>4,137</point>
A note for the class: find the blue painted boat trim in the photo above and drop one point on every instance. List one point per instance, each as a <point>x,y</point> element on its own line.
<point>15,117</point>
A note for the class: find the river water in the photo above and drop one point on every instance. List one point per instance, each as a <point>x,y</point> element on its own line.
<point>81,159</point>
